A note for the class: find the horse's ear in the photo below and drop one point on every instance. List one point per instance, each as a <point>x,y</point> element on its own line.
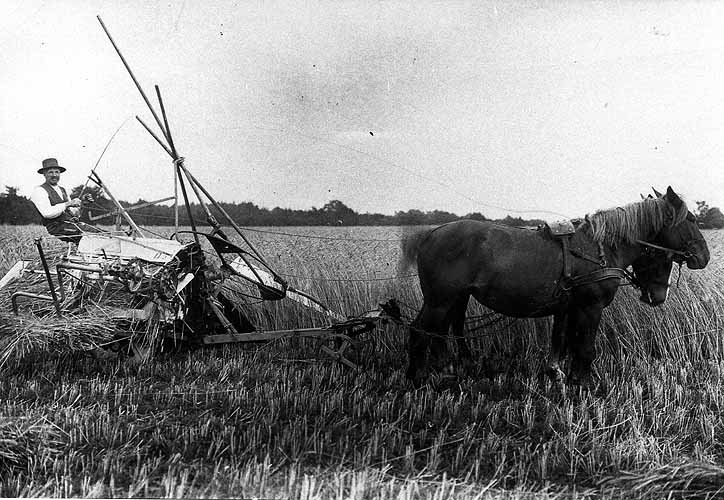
<point>673,198</point>
<point>658,195</point>
<point>642,196</point>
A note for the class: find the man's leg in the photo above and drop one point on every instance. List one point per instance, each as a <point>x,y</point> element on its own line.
<point>65,231</point>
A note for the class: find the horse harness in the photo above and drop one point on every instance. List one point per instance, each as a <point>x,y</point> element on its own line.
<point>680,255</point>
<point>563,231</point>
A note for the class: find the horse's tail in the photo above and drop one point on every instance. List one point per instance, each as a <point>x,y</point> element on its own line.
<point>410,248</point>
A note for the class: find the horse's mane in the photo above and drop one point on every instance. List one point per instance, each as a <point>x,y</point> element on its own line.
<point>633,221</point>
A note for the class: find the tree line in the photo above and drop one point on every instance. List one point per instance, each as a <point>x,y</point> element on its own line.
<point>18,210</point>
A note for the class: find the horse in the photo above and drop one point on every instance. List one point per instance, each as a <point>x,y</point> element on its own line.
<point>525,273</point>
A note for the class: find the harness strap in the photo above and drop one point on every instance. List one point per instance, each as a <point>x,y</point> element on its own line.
<point>603,274</point>
<point>566,258</point>
<point>583,256</point>
<point>568,282</point>
<point>670,250</point>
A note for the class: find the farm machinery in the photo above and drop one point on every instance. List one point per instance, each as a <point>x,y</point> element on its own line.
<point>198,287</point>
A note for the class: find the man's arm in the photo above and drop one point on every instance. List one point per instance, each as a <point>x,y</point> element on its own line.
<point>40,199</point>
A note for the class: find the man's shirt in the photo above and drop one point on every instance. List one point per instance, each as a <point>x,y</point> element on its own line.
<point>40,198</point>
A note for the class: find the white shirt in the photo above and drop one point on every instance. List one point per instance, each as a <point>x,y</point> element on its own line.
<point>40,198</point>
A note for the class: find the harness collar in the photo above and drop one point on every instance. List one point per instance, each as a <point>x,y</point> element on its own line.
<point>563,232</point>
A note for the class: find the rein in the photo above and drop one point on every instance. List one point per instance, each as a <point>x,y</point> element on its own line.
<point>684,254</point>
<point>605,273</point>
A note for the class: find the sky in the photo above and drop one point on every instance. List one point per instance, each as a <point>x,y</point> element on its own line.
<point>536,109</point>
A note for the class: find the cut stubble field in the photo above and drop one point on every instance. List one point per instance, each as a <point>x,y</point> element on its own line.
<point>277,420</point>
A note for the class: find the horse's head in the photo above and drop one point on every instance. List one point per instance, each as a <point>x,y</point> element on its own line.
<point>681,234</point>
<point>653,270</point>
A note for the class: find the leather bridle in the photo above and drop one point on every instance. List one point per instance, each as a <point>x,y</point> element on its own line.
<point>684,254</point>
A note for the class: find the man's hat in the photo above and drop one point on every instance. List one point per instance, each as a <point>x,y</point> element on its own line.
<point>49,163</point>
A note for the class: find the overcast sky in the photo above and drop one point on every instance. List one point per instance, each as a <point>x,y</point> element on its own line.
<point>563,107</point>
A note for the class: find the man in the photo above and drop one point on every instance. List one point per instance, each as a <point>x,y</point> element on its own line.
<point>59,212</point>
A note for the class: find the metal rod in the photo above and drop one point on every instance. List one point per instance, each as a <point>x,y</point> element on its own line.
<point>272,335</point>
<point>129,209</point>
<point>122,210</point>
<point>14,299</point>
<point>133,77</point>
<point>47,275</point>
<point>153,134</point>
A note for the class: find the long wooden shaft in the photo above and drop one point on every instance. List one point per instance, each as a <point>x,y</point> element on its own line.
<point>169,138</point>
<point>133,77</point>
<point>165,122</point>
<point>186,202</point>
<point>130,209</point>
<point>121,210</point>
<point>153,134</point>
<point>175,199</point>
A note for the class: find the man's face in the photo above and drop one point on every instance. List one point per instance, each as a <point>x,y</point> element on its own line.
<point>52,176</point>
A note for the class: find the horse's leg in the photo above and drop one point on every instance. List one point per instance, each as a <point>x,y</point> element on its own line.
<point>430,324</point>
<point>457,323</point>
<point>582,326</point>
<point>558,347</point>
<point>439,352</point>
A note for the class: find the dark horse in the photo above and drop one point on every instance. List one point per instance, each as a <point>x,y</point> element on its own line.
<point>526,273</point>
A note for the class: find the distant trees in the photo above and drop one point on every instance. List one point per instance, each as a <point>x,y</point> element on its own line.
<point>709,217</point>
<point>15,209</point>
<point>337,213</point>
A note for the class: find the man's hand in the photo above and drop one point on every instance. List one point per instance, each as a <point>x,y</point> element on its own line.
<point>75,202</point>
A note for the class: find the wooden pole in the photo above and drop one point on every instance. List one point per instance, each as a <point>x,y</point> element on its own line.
<point>165,122</point>
<point>186,201</point>
<point>209,216</point>
<point>153,134</point>
<point>175,201</point>
<point>121,210</point>
<point>169,138</point>
<point>130,209</point>
<point>133,77</point>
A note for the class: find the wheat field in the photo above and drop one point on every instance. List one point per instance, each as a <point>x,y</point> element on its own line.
<point>281,420</point>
